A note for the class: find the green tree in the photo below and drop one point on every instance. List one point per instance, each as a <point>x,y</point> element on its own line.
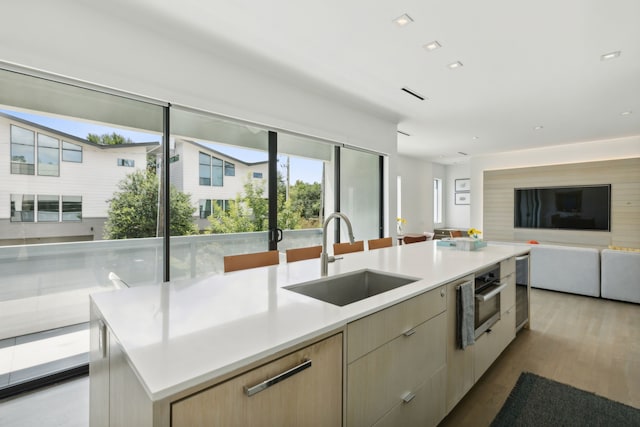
<point>306,198</point>
<point>251,212</point>
<point>133,210</point>
<point>108,139</point>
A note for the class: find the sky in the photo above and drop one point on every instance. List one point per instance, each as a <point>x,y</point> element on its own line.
<point>306,170</point>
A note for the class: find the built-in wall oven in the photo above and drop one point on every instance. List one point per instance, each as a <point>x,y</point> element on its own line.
<point>487,287</point>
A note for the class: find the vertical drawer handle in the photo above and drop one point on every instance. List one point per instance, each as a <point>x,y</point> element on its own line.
<point>250,391</point>
<point>408,397</point>
<point>102,339</point>
<point>409,332</point>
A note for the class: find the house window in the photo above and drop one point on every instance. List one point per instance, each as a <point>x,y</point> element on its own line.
<point>71,152</point>
<point>48,156</point>
<point>229,169</point>
<point>257,175</point>
<point>22,151</point>
<point>206,207</point>
<point>205,169</point>
<point>437,200</point>
<point>22,207</point>
<point>71,208</point>
<point>211,170</point>
<point>48,208</point>
<point>127,163</point>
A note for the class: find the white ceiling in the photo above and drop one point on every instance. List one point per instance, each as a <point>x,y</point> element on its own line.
<point>526,63</point>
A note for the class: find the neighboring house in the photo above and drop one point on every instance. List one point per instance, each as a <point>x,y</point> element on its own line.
<point>55,186</point>
<point>211,177</point>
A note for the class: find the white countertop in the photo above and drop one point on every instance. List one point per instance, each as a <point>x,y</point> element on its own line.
<point>181,334</point>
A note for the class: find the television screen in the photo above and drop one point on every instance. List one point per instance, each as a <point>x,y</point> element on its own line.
<point>573,208</point>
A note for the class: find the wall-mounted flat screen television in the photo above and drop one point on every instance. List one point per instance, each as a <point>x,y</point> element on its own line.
<point>585,207</point>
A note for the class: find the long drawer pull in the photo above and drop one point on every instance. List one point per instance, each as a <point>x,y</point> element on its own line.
<point>408,397</point>
<point>250,391</point>
<point>409,332</point>
<point>486,297</point>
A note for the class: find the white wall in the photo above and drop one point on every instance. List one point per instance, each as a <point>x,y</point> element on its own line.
<point>561,154</point>
<point>458,216</point>
<point>417,194</point>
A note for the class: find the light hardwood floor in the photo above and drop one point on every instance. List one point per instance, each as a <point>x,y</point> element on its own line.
<point>589,343</point>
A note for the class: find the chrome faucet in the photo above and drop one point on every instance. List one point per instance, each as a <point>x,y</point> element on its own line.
<point>325,259</point>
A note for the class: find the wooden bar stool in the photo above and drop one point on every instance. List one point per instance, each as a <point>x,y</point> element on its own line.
<point>299,254</point>
<point>414,239</point>
<point>384,242</point>
<point>256,259</point>
<point>346,248</point>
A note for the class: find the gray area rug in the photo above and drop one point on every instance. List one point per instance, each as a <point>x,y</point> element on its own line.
<point>538,401</point>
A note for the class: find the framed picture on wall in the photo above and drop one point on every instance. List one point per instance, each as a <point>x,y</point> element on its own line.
<point>463,185</point>
<point>463,198</point>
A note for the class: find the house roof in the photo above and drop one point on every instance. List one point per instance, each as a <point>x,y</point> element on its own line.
<point>72,138</point>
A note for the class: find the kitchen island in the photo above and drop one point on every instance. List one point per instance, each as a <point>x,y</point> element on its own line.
<point>154,348</point>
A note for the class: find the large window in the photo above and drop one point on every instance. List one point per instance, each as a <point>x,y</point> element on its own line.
<point>229,169</point>
<point>48,208</point>
<point>71,152</point>
<point>71,208</point>
<point>22,151</point>
<point>22,208</point>
<point>211,170</point>
<point>48,156</point>
<point>437,201</point>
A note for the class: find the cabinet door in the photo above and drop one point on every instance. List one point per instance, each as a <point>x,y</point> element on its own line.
<point>460,377</point>
<point>381,380</point>
<point>310,397</point>
<point>424,408</point>
<point>371,332</point>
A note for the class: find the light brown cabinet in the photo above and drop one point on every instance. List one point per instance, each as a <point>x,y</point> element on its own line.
<point>460,376</point>
<point>396,364</point>
<point>306,390</point>
<point>491,344</point>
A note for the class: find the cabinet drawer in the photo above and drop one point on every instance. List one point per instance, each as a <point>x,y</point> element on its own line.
<point>426,407</point>
<point>508,295</point>
<point>310,397</point>
<point>507,267</point>
<point>372,331</point>
<point>377,381</point>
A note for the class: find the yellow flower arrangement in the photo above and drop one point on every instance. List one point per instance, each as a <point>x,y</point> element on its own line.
<point>473,232</point>
<point>401,220</point>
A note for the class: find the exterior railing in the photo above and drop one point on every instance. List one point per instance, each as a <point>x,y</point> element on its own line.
<point>37,279</point>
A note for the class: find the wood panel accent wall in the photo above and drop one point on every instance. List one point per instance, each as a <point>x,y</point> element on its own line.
<point>623,175</point>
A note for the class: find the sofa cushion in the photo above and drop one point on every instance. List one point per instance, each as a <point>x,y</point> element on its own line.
<point>621,275</point>
<point>567,269</point>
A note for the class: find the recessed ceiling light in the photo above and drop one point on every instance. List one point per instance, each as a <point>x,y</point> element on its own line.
<point>538,128</point>
<point>610,55</point>
<point>432,45</point>
<point>626,113</point>
<point>455,65</point>
<point>403,20</point>
<point>475,138</point>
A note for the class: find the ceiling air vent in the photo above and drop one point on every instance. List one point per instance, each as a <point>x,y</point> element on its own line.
<point>414,93</point>
<point>462,153</point>
<point>403,133</point>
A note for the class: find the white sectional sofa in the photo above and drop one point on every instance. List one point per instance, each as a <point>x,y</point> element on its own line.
<point>620,278</point>
<point>565,268</point>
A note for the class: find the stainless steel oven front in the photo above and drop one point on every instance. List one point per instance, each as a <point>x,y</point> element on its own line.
<point>487,289</point>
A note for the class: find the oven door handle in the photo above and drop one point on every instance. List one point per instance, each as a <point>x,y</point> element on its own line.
<point>492,293</point>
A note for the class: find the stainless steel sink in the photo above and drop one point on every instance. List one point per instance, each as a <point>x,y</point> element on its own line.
<point>348,288</point>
